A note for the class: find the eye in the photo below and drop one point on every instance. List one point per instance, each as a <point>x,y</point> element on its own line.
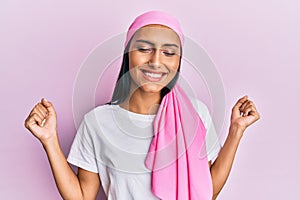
<point>168,53</point>
<point>144,49</point>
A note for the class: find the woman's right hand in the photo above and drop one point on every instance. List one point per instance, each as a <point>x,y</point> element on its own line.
<point>41,121</point>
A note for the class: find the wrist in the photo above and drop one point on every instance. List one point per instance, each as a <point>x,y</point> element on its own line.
<point>236,131</point>
<point>50,141</point>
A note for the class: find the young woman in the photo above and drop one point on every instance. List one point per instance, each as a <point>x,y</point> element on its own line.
<point>151,141</point>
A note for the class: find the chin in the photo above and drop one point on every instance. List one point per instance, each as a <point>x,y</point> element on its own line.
<point>150,88</point>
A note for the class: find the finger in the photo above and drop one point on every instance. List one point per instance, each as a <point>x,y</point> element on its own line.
<point>242,107</point>
<point>236,108</point>
<point>43,113</point>
<point>43,116</point>
<point>241,101</point>
<point>31,124</point>
<point>48,105</point>
<point>38,119</point>
<point>255,115</point>
<point>35,119</point>
<point>43,108</point>
<point>246,111</point>
<point>246,104</point>
<point>38,112</point>
<point>250,110</point>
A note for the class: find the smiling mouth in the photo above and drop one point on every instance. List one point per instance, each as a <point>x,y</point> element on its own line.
<point>153,76</point>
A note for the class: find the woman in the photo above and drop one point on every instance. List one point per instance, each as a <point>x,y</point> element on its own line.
<point>146,143</point>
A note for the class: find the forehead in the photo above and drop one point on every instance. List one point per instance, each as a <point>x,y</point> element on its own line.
<point>157,33</point>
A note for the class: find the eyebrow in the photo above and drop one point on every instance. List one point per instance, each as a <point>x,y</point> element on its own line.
<point>152,44</point>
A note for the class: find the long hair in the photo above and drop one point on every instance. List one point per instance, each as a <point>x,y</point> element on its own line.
<point>122,87</point>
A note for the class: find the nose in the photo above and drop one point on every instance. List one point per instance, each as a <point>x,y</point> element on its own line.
<point>155,61</point>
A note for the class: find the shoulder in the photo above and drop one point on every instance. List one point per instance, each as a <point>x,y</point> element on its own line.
<point>202,111</point>
<point>200,107</point>
<point>99,114</point>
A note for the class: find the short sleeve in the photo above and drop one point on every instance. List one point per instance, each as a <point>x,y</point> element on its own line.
<point>82,151</point>
<point>213,145</point>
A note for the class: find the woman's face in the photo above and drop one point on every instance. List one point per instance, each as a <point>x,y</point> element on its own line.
<point>154,57</point>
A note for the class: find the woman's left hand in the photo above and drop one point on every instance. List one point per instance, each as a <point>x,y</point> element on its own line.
<point>244,113</point>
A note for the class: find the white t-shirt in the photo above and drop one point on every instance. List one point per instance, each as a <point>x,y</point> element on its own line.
<point>114,142</point>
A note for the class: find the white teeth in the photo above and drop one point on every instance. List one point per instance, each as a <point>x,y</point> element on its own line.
<point>152,75</point>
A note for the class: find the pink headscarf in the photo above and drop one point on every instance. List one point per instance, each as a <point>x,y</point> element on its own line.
<point>154,17</point>
<point>178,172</point>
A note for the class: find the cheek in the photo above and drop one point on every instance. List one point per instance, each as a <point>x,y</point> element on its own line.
<point>135,59</point>
<point>173,65</point>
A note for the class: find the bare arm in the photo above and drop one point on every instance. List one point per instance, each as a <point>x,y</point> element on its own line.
<point>85,186</point>
<point>243,114</point>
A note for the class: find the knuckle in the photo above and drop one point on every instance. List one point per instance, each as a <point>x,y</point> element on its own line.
<point>35,109</point>
<point>35,115</point>
<point>26,124</point>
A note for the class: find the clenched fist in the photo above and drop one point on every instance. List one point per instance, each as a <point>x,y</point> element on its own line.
<point>244,113</point>
<point>41,121</point>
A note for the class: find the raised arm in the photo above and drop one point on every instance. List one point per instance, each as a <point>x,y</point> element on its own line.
<point>42,123</point>
<point>243,115</point>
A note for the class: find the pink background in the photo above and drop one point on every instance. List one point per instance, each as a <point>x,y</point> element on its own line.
<point>255,46</point>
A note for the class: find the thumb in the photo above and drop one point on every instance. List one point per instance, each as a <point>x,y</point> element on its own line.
<point>48,106</point>
<point>236,108</point>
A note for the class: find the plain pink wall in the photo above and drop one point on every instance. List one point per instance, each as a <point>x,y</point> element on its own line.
<point>255,46</point>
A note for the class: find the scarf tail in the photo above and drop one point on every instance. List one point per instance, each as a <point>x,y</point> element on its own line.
<point>174,154</point>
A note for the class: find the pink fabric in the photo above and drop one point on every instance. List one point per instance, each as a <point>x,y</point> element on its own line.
<point>178,173</point>
<point>154,17</point>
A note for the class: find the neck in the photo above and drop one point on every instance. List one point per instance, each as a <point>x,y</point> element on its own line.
<point>142,102</point>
